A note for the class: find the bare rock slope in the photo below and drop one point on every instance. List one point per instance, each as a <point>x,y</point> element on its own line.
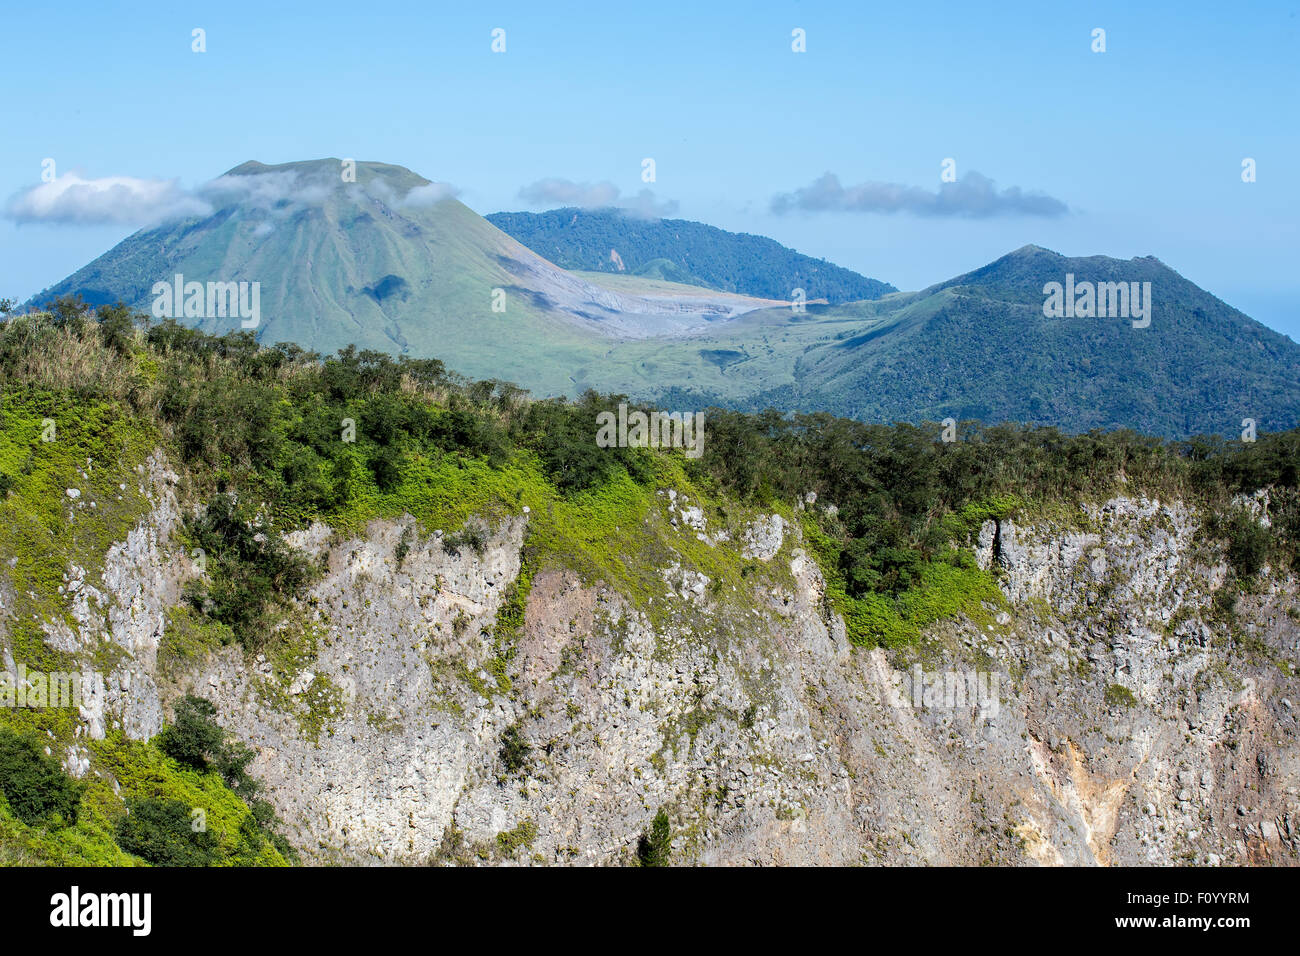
<point>1108,711</point>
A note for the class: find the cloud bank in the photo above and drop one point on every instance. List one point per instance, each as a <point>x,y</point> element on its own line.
<point>262,191</point>
<point>428,194</point>
<point>601,195</point>
<point>974,196</point>
<point>129,201</point>
<point>110,200</point>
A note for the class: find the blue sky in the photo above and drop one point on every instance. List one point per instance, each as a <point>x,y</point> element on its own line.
<point>1142,143</point>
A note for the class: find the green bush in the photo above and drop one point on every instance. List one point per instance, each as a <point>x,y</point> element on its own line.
<point>514,749</point>
<point>1117,695</point>
<point>164,833</point>
<point>470,536</point>
<point>194,738</point>
<point>564,438</point>
<point>1248,543</point>
<point>655,847</point>
<point>34,785</point>
<point>521,836</point>
<point>197,741</point>
<point>250,569</point>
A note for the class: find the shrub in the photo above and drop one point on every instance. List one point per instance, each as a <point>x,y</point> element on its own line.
<point>162,832</point>
<point>1248,543</point>
<point>35,786</point>
<point>248,570</point>
<point>403,546</point>
<point>521,836</point>
<point>386,467</point>
<point>1117,695</point>
<point>194,738</point>
<point>514,749</point>
<point>232,763</point>
<point>197,741</point>
<point>655,847</point>
<point>471,536</point>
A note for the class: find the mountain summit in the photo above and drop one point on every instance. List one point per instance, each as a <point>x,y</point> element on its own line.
<point>377,256</point>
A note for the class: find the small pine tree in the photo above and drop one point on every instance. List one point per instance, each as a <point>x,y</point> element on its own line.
<point>655,847</point>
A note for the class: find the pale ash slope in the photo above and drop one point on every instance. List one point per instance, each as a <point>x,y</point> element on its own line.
<point>748,717</point>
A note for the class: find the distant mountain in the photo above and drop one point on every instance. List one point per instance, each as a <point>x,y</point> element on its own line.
<point>389,262</point>
<point>979,346</point>
<point>609,240</point>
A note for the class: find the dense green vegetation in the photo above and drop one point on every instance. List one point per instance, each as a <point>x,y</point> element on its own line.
<point>250,570</point>
<point>163,833</point>
<point>141,806</point>
<point>34,785</point>
<point>195,740</point>
<point>979,347</point>
<point>279,437</point>
<point>274,438</point>
<point>301,438</point>
<point>903,498</point>
<point>682,251</point>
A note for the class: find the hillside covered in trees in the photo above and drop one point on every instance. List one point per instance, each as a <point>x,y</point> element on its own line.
<point>682,251</point>
<point>268,441</point>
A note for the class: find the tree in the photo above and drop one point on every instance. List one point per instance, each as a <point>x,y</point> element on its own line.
<point>194,738</point>
<point>162,832</point>
<point>34,785</point>
<point>655,847</point>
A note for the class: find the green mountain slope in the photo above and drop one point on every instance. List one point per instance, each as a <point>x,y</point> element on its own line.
<point>607,240</point>
<point>979,346</point>
<point>385,263</point>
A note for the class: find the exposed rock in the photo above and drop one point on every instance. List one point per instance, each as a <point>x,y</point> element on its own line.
<point>1130,724</point>
<point>763,538</point>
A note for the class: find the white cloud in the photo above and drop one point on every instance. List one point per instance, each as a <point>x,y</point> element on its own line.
<point>644,206</point>
<point>974,196</point>
<point>416,198</point>
<point>601,195</point>
<point>565,192</point>
<point>428,194</point>
<point>126,200</point>
<point>263,191</point>
<point>117,200</point>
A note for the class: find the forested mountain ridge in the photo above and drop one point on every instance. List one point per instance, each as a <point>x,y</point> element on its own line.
<point>980,346</point>
<point>610,240</point>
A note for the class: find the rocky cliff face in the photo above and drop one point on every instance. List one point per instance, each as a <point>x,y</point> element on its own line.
<point>1109,710</point>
